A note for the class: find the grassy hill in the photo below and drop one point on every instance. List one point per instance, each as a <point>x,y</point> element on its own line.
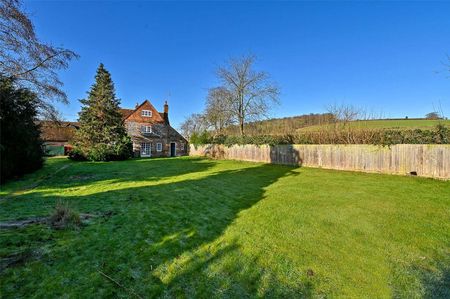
<point>386,124</point>
<point>281,126</point>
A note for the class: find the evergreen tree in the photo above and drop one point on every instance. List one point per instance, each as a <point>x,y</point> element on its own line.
<point>20,144</point>
<point>102,135</point>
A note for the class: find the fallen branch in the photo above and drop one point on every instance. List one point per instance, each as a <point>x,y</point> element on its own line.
<point>120,285</point>
<point>22,223</point>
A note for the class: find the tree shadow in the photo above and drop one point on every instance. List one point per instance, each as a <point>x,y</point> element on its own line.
<point>438,287</point>
<point>86,175</point>
<point>139,169</point>
<point>161,240</point>
<point>285,154</point>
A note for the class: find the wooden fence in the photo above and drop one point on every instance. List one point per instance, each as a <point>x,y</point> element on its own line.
<point>428,160</point>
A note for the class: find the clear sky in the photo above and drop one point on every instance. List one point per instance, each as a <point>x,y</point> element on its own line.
<point>387,57</point>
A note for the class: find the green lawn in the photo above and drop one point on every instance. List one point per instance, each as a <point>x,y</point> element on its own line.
<point>387,124</point>
<point>198,228</point>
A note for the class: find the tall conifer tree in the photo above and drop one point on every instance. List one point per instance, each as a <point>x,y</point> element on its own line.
<point>102,134</point>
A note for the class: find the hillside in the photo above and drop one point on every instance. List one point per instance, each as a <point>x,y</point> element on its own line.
<point>315,122</point>
<point>279,126</point>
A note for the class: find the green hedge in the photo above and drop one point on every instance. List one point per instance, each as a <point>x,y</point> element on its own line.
<point>439,135</point>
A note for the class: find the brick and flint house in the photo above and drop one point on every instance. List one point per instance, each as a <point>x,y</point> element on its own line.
<point>149,130</point>
<point>151,133</point>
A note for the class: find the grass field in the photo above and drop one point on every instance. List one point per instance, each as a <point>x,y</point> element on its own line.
<point>197,228</point>
<point>387,124</point>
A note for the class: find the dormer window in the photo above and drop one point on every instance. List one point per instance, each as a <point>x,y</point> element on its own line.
<point>146,129</point>
<point>146,113</point>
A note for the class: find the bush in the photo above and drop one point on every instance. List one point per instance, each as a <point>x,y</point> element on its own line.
<point>76,154</point>
<point>440,135</point>
<point>121,150</point>
<point>99,152</point>
<point>21,148</point>
<point>103,152</point>
<point>64,217</point>
<point>200,138</point>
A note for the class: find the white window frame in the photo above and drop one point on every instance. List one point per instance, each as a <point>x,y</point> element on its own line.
<point>159,147</point>
<point>145,153</point>
<point>146,113</point>
<point>181,146</point>
<point>146,129</point>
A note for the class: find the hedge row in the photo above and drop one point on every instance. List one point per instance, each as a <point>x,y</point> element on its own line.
<point>439,135</point>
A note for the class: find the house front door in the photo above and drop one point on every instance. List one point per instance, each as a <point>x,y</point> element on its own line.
<point>146,149</point>
<point>172,149</point>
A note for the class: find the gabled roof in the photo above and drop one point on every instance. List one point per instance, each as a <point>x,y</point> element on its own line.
<point>128,112</point>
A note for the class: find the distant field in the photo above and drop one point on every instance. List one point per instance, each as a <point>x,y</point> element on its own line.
<point>389,124</point>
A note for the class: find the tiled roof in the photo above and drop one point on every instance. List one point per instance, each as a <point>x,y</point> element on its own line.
<point>126,112</point>
<point>58,131</point>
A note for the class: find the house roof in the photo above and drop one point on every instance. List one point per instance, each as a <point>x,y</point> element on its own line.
<point>58,130</point>
<point>128,112</point>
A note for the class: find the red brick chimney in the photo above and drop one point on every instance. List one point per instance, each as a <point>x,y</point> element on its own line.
<point>166,113</point>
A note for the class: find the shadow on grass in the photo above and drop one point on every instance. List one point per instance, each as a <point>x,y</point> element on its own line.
<point>437,287</point>
<point>133,170</point>
<point>162,240</point>
<point>89,175</point>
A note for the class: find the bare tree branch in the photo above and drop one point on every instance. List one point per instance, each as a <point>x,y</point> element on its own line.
<point>251,95</point>
<point>32,63</point>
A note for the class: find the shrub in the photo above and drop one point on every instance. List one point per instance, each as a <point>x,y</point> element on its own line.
<point>200,138</point>
<point>121,150</point>
<point>439,135</point>
<point>103,152</point>
<point>442,134</point>
<point>76,154</point>
<point>64,217</point>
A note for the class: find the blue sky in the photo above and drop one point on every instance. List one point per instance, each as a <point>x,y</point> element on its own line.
<point>386,57</point>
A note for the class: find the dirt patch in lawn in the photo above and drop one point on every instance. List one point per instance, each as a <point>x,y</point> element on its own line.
<point>45,220</point>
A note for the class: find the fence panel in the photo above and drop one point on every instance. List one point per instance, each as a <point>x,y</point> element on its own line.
<point>428,160</point>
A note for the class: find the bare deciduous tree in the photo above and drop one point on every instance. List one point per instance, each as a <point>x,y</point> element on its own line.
<point>194,123</point>
<point>218,112</point>
<point>251,92</point>
<point>343,114</point>
<point>28,61</point>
